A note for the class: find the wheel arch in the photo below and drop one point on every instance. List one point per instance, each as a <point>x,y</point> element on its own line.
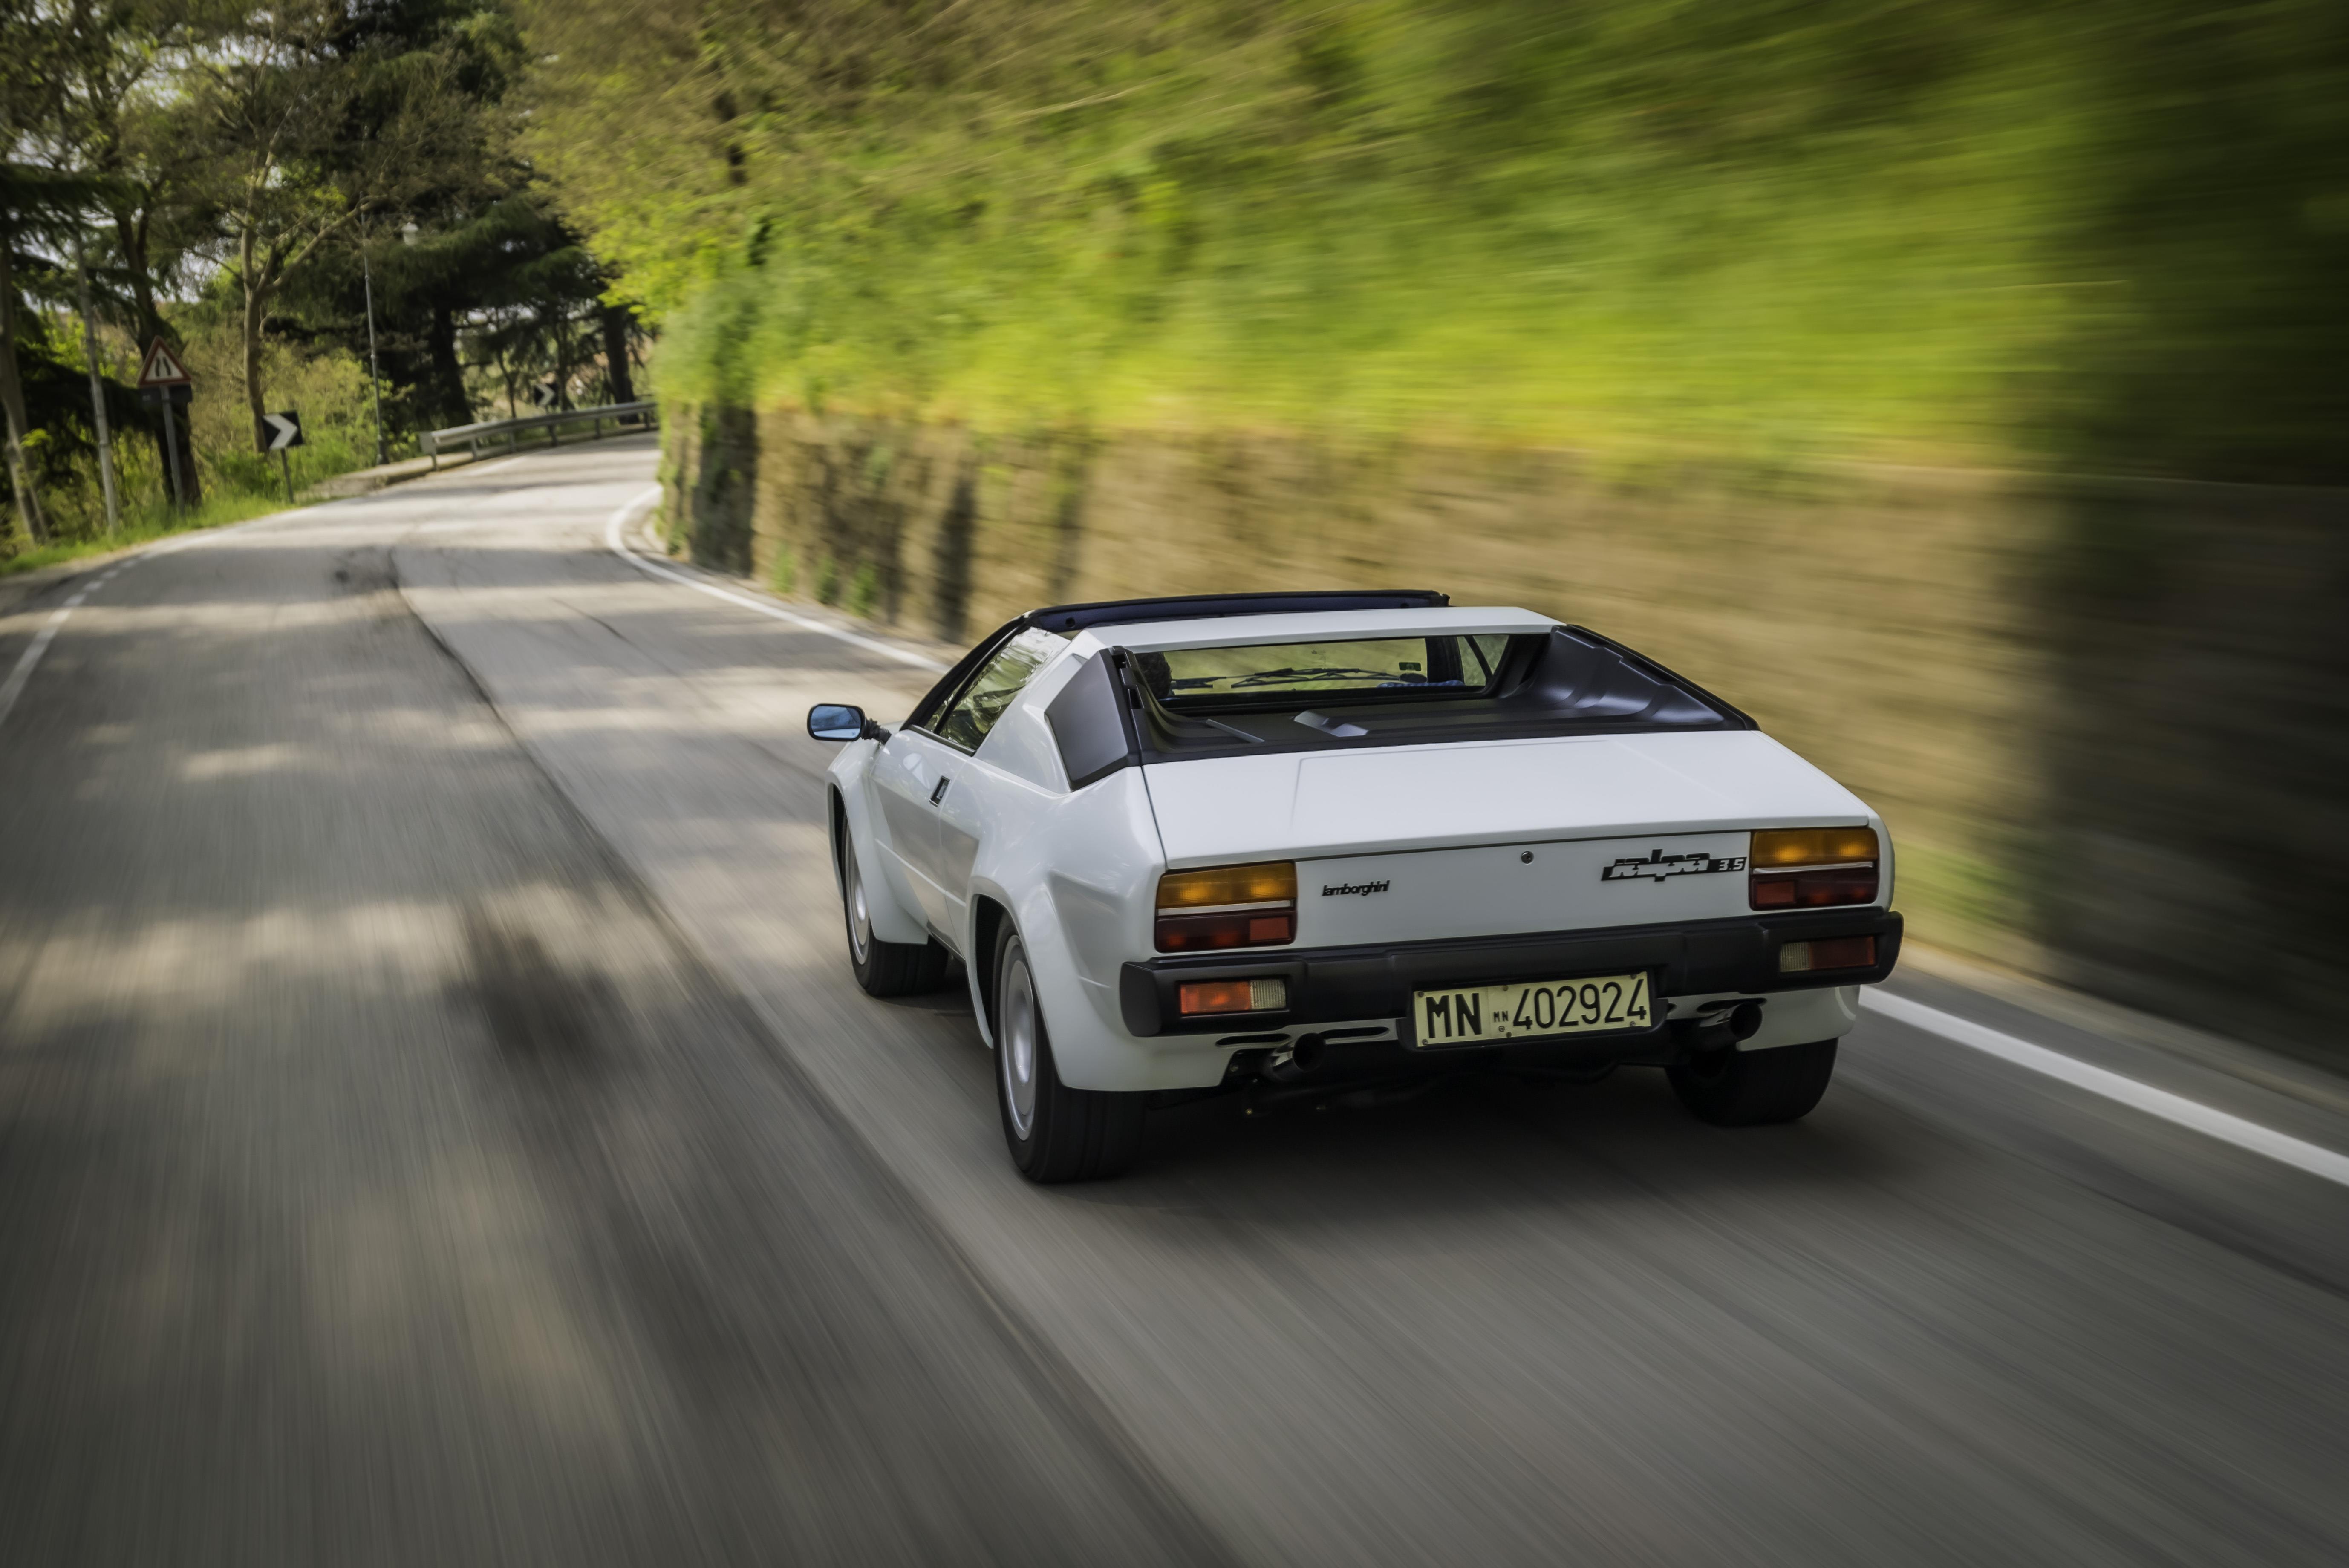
<point>988,918</point>
<point>835,817</point>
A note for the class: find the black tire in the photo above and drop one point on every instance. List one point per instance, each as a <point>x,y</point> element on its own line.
<point>1065,1134</point>
<point>1753,1089</point>
<point>883,968</point>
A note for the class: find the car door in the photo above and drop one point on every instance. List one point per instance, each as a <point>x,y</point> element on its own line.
<point>963,808</point>
<point>907,777</point>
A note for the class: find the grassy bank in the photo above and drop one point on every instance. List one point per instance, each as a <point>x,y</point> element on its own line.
<point>326,387</point>
<point>142,525</point>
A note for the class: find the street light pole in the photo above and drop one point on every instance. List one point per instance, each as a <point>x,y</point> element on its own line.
<point>375,381</point>
<point>97,393</point>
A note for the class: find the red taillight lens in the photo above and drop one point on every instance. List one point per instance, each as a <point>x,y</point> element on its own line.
<point>1196,932</point>
<point>1811,868</point>
<point>1228,906</point>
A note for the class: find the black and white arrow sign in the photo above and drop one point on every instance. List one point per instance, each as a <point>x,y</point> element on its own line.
<point>543,395</point>
<point>279,432</point>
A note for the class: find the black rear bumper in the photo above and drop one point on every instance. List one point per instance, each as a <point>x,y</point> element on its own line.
<point>1335,985</point>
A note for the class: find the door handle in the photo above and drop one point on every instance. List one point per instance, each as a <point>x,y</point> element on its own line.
<point>939,793</point>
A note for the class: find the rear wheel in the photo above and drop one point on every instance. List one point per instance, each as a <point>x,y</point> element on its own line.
<point>1751,1089</point>
<point>1055,1133</point>
<point>884,969</point>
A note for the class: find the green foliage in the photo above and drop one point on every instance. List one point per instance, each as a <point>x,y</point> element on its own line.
<point>827,581</point>
<point>1974,230</point>
<point>148,520</point>
<point>865,590</point>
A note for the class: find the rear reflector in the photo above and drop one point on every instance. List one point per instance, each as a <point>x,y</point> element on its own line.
<point>1831,953</point>
<point>1234,995</point>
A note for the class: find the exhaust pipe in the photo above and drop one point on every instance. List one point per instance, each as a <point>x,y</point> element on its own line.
<point>1306,1056</point>
<point>1719,1030</point>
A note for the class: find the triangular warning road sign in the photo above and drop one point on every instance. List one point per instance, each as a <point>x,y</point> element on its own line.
<point>162,367</point>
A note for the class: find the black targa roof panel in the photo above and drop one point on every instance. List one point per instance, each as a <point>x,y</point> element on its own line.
<point>1206,606</point>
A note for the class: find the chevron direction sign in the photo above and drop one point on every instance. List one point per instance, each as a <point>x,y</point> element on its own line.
<point>279,432</point>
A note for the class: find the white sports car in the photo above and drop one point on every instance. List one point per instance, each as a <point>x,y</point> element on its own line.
<point>1338,846</point>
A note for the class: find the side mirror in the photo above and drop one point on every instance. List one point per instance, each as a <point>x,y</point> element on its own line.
<point>837,721</point>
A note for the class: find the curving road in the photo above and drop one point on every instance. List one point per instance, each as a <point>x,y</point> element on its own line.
<point>436,1125</point>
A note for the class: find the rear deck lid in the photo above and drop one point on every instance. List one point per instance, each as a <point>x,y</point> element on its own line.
<point>1308,805</point>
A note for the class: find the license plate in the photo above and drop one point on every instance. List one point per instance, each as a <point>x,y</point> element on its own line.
<point>1476,1015</point>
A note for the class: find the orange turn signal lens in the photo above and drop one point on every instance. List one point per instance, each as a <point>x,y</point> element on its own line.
<point>1791,847</point>
<point>1269,881</point>
<point>1234,995</point>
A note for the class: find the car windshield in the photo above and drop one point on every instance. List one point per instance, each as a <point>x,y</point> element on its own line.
<point>1391,667</point>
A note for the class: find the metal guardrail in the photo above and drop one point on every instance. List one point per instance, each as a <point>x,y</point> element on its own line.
<point>644,415</point>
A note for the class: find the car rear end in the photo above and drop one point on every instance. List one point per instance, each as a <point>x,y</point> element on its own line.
<point>1371,877</point>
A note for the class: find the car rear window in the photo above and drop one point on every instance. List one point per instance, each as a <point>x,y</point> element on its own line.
<point>1124,708</point>
<point>1394,666</point>
<point>1404,691</point>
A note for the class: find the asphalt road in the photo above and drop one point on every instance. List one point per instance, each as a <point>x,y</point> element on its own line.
<point>436,1125</point>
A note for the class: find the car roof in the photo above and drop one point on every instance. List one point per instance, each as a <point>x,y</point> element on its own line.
<point>1070,618</point>
<point>1334,625</point>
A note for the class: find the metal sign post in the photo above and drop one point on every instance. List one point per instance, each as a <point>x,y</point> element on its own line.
<point>278,432</point>
<point>163,379</point>
<point>98,398</point>
<point>375,381</point>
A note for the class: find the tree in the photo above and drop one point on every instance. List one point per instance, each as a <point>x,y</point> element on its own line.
<point>311,123</point>
<point>109,60</point>
<point>12,388</point>
<point>28,102</point>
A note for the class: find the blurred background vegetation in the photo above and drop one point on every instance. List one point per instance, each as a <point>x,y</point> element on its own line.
<point>2108,233</point>
<point>236,181</point>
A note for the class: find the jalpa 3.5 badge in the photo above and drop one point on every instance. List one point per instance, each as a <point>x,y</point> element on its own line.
<point>1658,865</point>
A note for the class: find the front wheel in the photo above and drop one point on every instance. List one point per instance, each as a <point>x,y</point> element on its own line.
<point>1055,1133</point>
<point>884,969</point>
<point>1753,1088</point>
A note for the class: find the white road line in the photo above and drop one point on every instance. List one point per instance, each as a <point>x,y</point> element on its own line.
<point>2301,1156</point>
<point>14,687</point>
<point>627,514</point>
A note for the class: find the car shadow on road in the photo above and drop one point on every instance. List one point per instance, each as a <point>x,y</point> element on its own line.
<point>1489,1145</point>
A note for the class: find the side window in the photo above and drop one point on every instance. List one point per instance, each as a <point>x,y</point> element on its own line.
<point>998,681</point>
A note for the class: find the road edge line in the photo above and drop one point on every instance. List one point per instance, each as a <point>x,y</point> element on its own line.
<point>2313,1158</point>
<point>30,659</point>
<point>619,547</point>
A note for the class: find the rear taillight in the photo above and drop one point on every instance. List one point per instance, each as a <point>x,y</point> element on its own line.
<point>1807,868</point>
<point>1228,906</point>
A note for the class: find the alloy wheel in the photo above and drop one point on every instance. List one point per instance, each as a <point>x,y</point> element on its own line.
<point>1016,1043</point>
